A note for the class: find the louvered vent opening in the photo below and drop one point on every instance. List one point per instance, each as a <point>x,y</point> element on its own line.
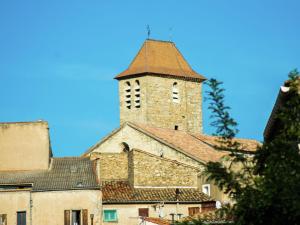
<point>127,91</point>
<point>175,93</point>
<point>137,94</point>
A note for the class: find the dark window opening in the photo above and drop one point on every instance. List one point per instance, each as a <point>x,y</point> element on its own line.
<point>76,217</point>
<point>176,127</point>
<point>137,94</point>
<point>144,212</point>
<point>21,218</point>
<point>125,147</point>
<point>128,95</point>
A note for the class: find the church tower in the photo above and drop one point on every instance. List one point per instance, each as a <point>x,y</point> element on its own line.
<point>160,89</point>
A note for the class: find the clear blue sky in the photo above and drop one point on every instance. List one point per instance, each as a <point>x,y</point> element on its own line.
<point>58,58</point>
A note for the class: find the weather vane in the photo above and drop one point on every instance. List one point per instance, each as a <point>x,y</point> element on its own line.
<point>148,31</point>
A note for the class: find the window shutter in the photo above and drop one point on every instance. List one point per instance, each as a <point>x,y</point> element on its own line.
<point>85,217</point>
<point>67,217</point>
<point>144,212</point>
<point>193,210</point>
<point>3,219</point>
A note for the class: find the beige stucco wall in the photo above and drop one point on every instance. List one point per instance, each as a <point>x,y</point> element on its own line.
<point>157,106</point>
<point>12,202</point>
<point>48,207</point>
<point>128,214</point>
<point>24,146</point>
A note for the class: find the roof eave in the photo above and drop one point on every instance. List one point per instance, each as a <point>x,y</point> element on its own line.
<point>132,75</point>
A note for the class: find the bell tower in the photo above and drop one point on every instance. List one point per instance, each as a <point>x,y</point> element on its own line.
<point>160,89</point>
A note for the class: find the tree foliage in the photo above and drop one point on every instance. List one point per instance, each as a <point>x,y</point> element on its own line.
<point>264,186</point>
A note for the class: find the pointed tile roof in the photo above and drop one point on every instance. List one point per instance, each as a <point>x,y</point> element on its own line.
<point>160,58</point>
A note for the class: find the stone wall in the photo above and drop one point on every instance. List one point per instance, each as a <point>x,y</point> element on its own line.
<point>157,106</point>
<point>133,114</point>
<point>153,171</point>
<point>112,166</point>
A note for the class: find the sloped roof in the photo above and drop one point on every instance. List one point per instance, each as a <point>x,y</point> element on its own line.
<point>280,100</point>
<point>72,173</point>
<point>201,147</point>
<point>162,58</point>
<point>158,221</point>
<point>122,192</point>
<point>198,146</point>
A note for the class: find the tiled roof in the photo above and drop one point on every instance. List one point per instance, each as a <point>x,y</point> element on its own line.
<point>209,217</point>
<point>72,173</point>
<point>122,192</point>
<point>198,146</point>
<point>158,221</point>
<point>160,57</point>
<point>281,98</point>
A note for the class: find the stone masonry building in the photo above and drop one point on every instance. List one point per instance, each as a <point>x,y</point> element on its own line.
<point>152,165</point>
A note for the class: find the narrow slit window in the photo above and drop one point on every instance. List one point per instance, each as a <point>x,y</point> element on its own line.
<point>175,93</point>
<point>127,91</point>
<point>137,94</point>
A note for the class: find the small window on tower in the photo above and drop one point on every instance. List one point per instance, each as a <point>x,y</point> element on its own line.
<point>206,189</point>
<point>137,94</point>
<point>127,91</point>
<point>175,93</point>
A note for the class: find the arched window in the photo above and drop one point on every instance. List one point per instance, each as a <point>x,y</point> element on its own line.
<point>127,90</point>
<point>137,94</point>
<point>125,147</point>
<point>175,93</point>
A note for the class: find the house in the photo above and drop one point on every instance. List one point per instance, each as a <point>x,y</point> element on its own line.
<point>273,123</point>
<point>157,156</point>
<point>36,188</point>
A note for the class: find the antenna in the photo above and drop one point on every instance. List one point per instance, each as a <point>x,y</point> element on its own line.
<point>170,33</point>
<point>148,31</point>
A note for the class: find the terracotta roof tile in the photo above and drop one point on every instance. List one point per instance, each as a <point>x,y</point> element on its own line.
<point>160,57</point>
<point>158,221</point>
<point>122,192</point>
<point>198,146</point>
